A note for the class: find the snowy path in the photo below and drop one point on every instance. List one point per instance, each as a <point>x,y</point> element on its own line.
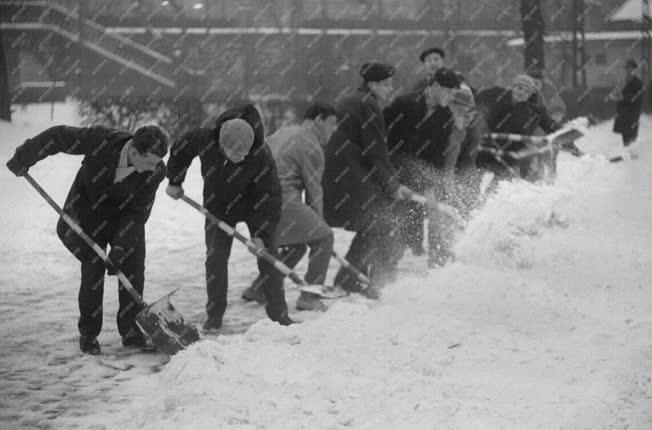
<point>544,322</point>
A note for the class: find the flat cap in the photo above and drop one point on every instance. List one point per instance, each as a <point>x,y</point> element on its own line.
<point>429,51</point>
<point>376,72</point>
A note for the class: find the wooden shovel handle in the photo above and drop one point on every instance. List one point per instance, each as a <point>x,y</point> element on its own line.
<point>257,251</point>
<point>90,242</point>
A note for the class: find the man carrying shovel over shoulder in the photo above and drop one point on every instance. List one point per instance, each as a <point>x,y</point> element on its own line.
<point>240,184</point>
<point>111,198</point>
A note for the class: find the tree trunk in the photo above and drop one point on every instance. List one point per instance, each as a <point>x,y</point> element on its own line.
<point>5,103</point>
<point>533,31</point>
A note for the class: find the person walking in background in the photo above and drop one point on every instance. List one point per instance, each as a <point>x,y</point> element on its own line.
<point>240,184</point>
<point>299,155</point>
<point>111,199</point>
<point>360,183</point>
<point>629,101</point>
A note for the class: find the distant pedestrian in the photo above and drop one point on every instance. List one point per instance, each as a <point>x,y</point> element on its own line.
<point>630,100</point>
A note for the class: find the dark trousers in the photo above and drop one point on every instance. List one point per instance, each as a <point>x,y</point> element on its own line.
<point>91,290</point>
<point>318,259</point>
<point>372,251</point>
<point>629,136</point>
<point>218,251</point>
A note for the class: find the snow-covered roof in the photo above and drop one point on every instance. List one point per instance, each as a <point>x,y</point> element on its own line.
<point>631,10</point>
<point>598,35</point>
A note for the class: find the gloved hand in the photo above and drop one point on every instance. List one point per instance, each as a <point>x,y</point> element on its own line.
<point>117,256</point>
<point>258,243</point>
<point>16,168</point>
<point>174,191</point>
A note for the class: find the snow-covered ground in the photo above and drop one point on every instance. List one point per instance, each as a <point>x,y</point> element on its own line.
<point>545,320</point>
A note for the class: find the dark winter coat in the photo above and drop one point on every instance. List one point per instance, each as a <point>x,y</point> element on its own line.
<point>421,84</point>
<point>505,116</point>
<point>248,191</point>
<point>416,138</point>
<point>475,128</point>
<point>359,178</point>
<point>629,108</point>
<point>412,132</point>
<point>94,200</point>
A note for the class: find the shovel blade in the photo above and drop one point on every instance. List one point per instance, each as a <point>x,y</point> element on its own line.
<point>166,327</point>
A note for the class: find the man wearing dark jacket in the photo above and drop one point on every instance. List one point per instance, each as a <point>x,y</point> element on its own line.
<point>420,141</point>
<point>629,101</point>
<point>240,184</point>
<point>359,181</point>
<point>111,198</point>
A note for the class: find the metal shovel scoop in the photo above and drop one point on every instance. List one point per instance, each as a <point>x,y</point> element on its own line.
<point>160,321</point>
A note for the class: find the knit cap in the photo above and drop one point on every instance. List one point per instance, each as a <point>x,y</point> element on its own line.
<point>236,132</point>
<point>525,81</point>
<point>462,97</point>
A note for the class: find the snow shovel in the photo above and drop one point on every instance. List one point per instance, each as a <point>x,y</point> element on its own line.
<point>364,280</point>
<point>160,321</point>
<point>571,131</point>
<point>319,290</point>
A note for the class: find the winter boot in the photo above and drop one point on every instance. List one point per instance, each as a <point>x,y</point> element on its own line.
<point>371,292</point>
<point>279,315</point>
<point>254,294</point>
<point>212,324</point>
<point>135,339</point>
<point>89,345</point>
<point>310,302</point>
<point>285,320</point>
